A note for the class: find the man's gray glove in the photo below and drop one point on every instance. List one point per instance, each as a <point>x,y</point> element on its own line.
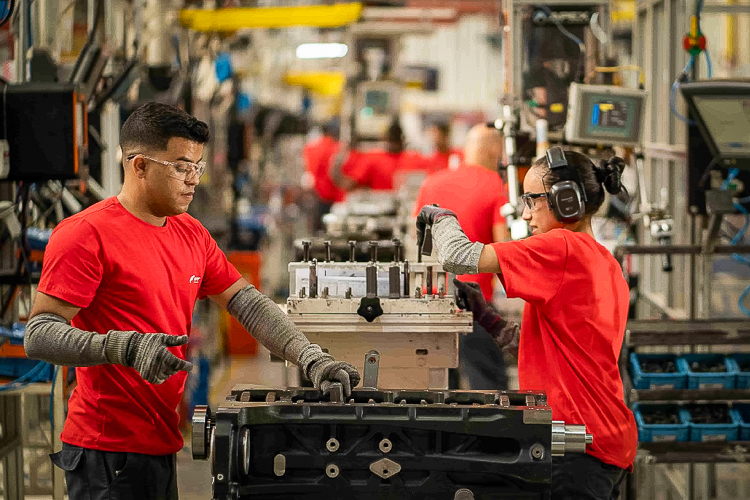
<point>147,353</point>
<point>505,333</point>
<point>323,370</point>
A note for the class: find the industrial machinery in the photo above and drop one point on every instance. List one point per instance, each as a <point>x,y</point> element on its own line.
<point>295,443</point>
<point>400,308</point>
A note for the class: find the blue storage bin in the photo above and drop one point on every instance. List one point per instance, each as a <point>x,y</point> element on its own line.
<point>700,380</point>
<point>16,367</point>
<point>743,410</point>
<point>653,433</point>
<point>645,380</point>
<point>713,432</point>
<point>743,377</point>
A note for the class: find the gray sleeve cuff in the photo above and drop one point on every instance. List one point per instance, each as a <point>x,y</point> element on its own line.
<point>456,252</point>
<point>50,338</point>
<point>265,321</point>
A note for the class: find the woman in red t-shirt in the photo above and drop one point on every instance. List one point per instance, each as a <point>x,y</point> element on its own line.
<point>575,314</point>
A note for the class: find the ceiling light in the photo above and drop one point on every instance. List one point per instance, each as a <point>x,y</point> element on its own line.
<point>321,50</point>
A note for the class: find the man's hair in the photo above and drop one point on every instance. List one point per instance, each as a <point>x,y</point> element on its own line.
<point>151,126</point>
<point>442,127</point>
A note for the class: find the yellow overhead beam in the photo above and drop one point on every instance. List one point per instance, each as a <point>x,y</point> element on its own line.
<point>321,82</point>
<point>233,19</point>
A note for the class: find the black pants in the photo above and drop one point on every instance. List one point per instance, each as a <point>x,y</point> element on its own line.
<point>109,475</point>
<point>480,362</point>
<point>583,477</point>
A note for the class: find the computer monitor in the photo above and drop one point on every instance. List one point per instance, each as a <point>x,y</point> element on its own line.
<point>604,115</point>
<point>721,109</point>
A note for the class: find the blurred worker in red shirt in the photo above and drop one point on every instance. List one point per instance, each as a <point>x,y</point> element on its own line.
<point>443,155</point>
<point>475,192</point>
<point>375,169</point>
<point>317,155</point>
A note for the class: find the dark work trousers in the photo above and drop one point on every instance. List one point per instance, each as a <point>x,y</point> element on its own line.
<point>110,475</point>
<point>480,361</point>
<point>579,476</point>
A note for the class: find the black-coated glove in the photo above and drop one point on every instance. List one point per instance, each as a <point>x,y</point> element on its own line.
<point>148,354</point>
<point>427,216</point>
<point>326,371</point>
<point>469,296</point>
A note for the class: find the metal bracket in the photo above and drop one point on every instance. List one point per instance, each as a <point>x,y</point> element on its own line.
<point>372,363</point>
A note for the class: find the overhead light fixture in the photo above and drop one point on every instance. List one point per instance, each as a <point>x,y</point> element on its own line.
<point>322,50</point>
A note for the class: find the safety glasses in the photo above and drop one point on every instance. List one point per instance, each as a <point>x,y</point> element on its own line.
<point>181,170</point>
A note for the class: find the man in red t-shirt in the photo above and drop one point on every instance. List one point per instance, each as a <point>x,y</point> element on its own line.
<point>116,299</point>
<point>444,156</point>
<point>375,169</point>
<point>318,155</point>
<point>575,315</point>
<point>475,193</point>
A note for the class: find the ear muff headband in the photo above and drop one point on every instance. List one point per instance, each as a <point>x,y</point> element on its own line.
<point>567,197</point>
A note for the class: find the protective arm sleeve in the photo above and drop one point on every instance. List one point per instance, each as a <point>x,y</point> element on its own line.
<point>264,320</point>
<point>50,338</point>
<point>456,252</point>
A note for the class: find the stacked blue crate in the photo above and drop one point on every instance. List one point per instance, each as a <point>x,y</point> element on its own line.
<point>652,433</point>
<point>709,380</point>
<point>712,431</point>
<point>646,380</point>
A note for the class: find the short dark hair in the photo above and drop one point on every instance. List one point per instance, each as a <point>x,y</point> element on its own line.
<point>442,127</point>
<point>596,178</point>
<point>152,125</point>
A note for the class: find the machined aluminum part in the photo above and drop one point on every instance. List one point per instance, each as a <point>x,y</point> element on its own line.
<point>569,438</point>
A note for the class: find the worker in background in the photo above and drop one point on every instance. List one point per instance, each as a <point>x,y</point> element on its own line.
<point>443,155</point>
<point>575,314</point>
<point>375,169</point>
<point>116,297</point>
<point>318,155</point>
<point>475,193</point>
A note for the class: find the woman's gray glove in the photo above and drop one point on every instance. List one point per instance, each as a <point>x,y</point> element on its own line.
<point>147,353</point>
<point>505,333</point>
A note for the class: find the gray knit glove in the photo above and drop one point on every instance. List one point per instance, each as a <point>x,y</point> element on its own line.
<point>323,370</point>
<point>147,353</point>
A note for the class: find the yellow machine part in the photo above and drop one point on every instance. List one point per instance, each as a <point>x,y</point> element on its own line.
<point>322,82</point>
<point>233,19</point>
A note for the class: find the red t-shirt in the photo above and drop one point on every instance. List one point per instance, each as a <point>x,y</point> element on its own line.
<point>318,156</point>
<point>126,274</point>
<point>475,194</point>
<point>571,334</point>
<point>376,169</point>
<point>441,161</point>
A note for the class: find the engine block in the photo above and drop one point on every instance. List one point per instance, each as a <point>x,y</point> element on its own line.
<point>300,443</point>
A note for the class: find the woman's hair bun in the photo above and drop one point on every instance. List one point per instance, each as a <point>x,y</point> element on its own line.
<point>609,174</point>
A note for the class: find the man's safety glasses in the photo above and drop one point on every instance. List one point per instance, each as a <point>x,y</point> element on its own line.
<point>181,170</point>
<point>528,199</point>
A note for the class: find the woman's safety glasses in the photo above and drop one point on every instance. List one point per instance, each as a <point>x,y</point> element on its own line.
<point>528,199</point>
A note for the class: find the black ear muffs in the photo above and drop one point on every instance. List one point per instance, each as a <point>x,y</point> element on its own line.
<point>566,198</point>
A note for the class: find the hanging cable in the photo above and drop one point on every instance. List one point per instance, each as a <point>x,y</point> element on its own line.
<point>682,77</point>
<point>739,237</point>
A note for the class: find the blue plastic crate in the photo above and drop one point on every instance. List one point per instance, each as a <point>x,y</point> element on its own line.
<point>697,380</point>
<point>652,433</point>
<point>713,432</point>
<point>644,380</point>
<point>743,377</point>
<point>15,367</point>
<point>743,410</point>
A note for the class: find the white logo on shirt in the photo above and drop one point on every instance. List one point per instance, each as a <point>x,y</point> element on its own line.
<point>195,279</point>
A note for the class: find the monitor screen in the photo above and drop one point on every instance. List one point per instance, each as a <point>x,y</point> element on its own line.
<point>727,120</point>
<point>599,114</point>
